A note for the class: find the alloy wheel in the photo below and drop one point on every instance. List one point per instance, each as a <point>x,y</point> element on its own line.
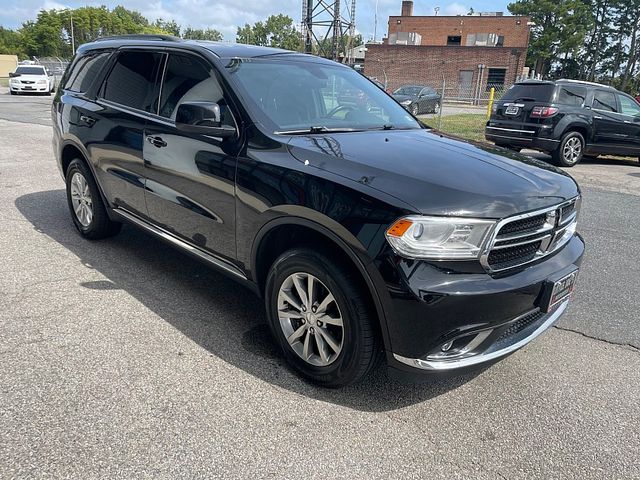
<point>81,199</point>
<point>572,150</point>
<point>310,319</point>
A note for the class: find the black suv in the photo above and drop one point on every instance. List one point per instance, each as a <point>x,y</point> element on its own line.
<point>366,233</point>
<point>567,119</point>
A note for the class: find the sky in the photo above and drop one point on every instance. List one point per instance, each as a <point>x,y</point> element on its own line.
<point>227,15</point>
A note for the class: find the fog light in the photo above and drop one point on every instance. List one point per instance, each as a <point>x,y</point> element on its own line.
<point>447,346</point>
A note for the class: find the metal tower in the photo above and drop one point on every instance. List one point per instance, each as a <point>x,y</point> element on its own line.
<point>326,31</point>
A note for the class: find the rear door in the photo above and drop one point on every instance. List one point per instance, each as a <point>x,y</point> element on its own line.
<point>608,125</point>
<point>630,112</point>
<point>126,97</point>
<point>190,189</point>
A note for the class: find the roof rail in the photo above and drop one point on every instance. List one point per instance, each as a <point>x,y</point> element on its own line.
<point>140,36</point>
<point>567,80</point>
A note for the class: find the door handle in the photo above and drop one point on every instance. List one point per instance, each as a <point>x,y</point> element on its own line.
<point>627,121</point>
<point>88,120</point>
<point>597,117</point>
<point>156,141</point>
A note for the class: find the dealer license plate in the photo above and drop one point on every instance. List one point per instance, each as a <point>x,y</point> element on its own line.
<point>562,289</point>
<point>512,110</point>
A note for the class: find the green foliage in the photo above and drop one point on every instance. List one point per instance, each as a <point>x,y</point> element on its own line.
<point>50,33</point>
<point>277,31</point>
<point>199,34</point>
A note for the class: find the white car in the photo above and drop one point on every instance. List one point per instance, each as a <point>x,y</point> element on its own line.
<point>31,79</point>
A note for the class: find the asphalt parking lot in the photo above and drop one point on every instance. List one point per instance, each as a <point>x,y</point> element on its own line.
<point>125,359</point>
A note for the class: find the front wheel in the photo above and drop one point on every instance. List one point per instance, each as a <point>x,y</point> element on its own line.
<point>320,317</point>
<point>87,209</point>
<point>436,108</point>
<point>414,109</point>
<point>570,150</point>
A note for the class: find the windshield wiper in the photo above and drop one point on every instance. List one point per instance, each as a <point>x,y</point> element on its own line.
<point>318,129</point>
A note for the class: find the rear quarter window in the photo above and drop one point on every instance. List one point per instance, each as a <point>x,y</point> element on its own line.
<point>571,95</point>
<point>85,70</point>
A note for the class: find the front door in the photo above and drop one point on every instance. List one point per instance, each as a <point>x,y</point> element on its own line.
<point>190,188</point>
<point>630,113</point>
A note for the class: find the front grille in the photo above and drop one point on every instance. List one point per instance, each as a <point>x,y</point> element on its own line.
<point>512,256</point>
<point>528,224</point>
<point>527,237</point>
<point>521,324</point>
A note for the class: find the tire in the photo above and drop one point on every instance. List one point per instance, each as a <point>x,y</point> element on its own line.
<point>436,108</point>
<point>87,209</point>
<point>12,92</point>
<point>337,355</point>
<point>415,110</point>
<point>570,150</point>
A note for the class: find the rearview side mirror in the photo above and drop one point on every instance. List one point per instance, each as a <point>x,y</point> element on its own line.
<point>202,117</point>
<point>13,74</point>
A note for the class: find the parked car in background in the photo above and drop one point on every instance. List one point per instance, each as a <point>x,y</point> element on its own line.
<point>366,233</point>
<point>418,99</point>
<point>567,119</point>
<point>31,79</point>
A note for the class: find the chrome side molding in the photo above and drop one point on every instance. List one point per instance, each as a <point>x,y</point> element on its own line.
<point>185,246</point>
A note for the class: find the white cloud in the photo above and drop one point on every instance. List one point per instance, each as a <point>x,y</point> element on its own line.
<point>456,9</point>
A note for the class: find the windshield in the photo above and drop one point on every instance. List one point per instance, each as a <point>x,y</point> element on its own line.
<point>298,96</point>
<point>413,91</point>
<point>30,70</point>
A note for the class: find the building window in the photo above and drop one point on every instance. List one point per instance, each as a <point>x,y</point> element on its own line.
<point>485,40</point>
<point>454,40</point>
<point>500,42</point>
<point>496,78</point>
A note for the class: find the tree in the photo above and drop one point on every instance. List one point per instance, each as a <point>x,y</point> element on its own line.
<point>199,34</point>
<point>169,26</point>
<point>559,30</point>
<point>277,31</point>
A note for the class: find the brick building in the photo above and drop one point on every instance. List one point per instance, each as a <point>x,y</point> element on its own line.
<point>469,54</point>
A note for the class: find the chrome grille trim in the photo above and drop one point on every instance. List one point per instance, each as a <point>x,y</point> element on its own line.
<point>550,235</point>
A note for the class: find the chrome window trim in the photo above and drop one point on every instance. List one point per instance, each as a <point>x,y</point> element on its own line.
<point>134,111</point>
<point>550,247</point>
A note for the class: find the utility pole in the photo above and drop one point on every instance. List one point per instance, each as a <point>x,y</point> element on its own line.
<point>375,23</point>
<point>73,42</point>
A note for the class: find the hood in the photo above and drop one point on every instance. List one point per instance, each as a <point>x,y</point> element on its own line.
<point>31,78</point>
<point>438,174</point>
<point>400,98</point>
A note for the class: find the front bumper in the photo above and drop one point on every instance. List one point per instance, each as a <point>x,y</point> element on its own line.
<point>30,89</point>
<point>485,316</point>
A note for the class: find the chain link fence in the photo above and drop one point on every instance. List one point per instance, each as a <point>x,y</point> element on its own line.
<point>54,65</point>
<point>464,109</point>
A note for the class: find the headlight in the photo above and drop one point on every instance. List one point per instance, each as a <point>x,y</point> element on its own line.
<point>41,82</point>
<point>439,238</point>
<point>405,102</point>
<point>14,80</point>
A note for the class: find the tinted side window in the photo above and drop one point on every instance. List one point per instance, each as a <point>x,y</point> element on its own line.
<point>189,79</point>
<point>629,106</point>
<point>605,101</point>
<point>131,82</point>
<point>85,71</point>
<point>571,95</point>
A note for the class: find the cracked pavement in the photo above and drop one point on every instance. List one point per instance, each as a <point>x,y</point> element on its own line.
<point>124,358</point>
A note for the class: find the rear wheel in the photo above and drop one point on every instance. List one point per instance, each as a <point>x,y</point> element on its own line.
<point>570,150</point>
<point>85,203</point>
<point>320,318</point>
